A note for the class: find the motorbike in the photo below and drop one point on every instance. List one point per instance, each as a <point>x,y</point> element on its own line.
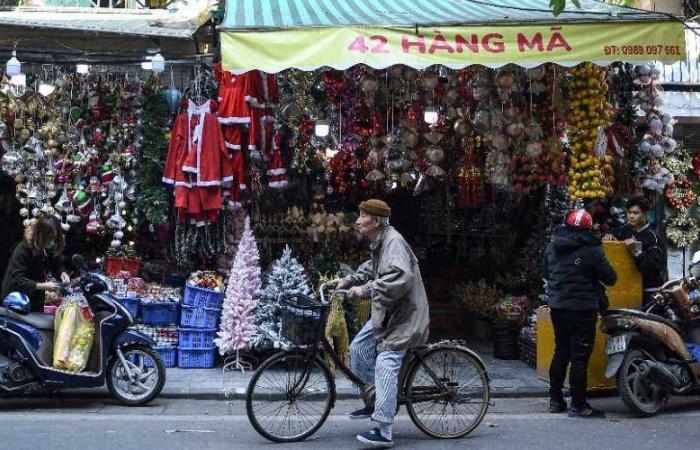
<point>120,356</point>
<point>647,350</point>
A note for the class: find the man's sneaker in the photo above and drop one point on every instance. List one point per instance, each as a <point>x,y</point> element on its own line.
<point>375,439</point>
<point>557,406</point>
<point>586,412</point>
<point>364,413</point>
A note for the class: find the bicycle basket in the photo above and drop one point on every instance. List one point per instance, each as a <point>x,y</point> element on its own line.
<point>303,319</point>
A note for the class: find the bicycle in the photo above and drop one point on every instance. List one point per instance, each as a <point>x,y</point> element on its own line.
<point>444,385</point>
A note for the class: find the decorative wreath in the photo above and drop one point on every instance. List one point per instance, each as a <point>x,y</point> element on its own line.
<point>679,194</point>
<point>680,164</point>
<point>682,231</point>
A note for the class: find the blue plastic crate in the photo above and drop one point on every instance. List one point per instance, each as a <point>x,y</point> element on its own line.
<point>196,337</point>
<point>202,298</point>
<point>159,313</point>
<point>132,304</point>
<point>202,358</point>
<point>193,317</point>
<point>167,354</point>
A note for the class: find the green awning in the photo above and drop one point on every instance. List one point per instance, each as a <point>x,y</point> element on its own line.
<point>270,14</point>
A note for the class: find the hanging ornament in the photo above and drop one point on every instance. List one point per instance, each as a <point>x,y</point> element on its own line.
<point>12,163</point>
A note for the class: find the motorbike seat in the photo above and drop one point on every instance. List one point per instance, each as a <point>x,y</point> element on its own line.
<point>36,319</point>
<point>645,315</point>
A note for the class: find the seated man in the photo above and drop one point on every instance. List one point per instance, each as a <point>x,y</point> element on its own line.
<point>645,245</point>
<point>399,318</point>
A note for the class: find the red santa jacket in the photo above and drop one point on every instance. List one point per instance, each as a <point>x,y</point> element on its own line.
<point>207,160</point>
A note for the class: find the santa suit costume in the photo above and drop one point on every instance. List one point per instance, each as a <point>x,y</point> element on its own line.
<point>234,111</point>
<point>263,96</point>
<point>276,172</point>
<point>199,163</point>
<point>238,185</point>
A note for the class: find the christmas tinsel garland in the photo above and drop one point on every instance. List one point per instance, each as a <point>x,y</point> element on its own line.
<point>152,203</point>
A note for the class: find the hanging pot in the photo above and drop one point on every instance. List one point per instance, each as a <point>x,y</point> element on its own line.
<point>451,96</point>
<point>369,83</point>
<point>532,129</point>
<point>515,129</point>
<point>410,74</point>
<point>499,141</point>
<point>409,139</point>
<point>396,70</point>
<point>435,154</point>
<point>505,80</point>
<point>429,80</point>
<point>462,126</point>
<point>537,73</point>
<point>433,137</point>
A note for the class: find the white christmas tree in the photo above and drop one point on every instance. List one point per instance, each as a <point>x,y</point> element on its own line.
<point>242,293</point>
<point>286,276</point>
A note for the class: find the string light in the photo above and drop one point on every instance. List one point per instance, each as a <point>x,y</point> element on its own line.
<point>430,115</point>
<point>322,128</point>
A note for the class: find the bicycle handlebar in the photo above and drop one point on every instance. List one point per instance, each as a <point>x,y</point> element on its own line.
<point>343,292</point>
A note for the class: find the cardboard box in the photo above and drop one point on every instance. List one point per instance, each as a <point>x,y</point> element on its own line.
<point>627,293</point>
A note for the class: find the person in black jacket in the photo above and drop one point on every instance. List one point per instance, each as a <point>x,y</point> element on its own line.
<point>576,267</point>
<point>645,245</point>
<point>35,261</point>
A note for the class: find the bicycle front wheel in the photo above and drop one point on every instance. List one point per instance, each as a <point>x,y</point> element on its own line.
<point>447,392</point>
<point>289,397</point>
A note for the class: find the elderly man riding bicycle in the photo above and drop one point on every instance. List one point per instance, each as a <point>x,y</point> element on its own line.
<point>399,318</point>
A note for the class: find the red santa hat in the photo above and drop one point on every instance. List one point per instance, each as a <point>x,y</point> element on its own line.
<point>276,172</point>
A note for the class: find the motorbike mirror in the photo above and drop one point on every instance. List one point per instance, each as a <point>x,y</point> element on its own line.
<point>78,261</point>
<point>17,302</point>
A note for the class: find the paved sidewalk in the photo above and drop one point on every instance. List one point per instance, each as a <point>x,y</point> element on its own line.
<point>508,379</point>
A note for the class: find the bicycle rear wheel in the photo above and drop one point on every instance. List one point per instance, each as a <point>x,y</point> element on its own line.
<point>289,397</point>
<point>447,392</point>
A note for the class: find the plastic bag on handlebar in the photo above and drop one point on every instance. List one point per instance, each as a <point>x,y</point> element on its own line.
<point>74,330</point>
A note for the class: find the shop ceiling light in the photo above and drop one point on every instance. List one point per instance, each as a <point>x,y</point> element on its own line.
<point>46,89</point>
<point>82,68</point>
<point>322,128</point>
<point>158,63</point>
<point>13,66</point>
<point>430,115</point>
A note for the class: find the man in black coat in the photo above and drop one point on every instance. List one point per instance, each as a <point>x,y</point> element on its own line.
<point>576,267</point>
<point>645,245</point>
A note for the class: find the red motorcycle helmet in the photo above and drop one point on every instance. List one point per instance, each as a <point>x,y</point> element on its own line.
<point>579,218</point>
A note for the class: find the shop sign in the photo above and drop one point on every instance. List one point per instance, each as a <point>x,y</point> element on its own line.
<point>310,48</point>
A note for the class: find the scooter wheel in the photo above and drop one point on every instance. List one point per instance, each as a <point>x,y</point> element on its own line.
<point>147,380</point>
<point>641,396</point>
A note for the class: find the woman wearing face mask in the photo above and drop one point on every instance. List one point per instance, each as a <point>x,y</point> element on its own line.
<point>36,259</point>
